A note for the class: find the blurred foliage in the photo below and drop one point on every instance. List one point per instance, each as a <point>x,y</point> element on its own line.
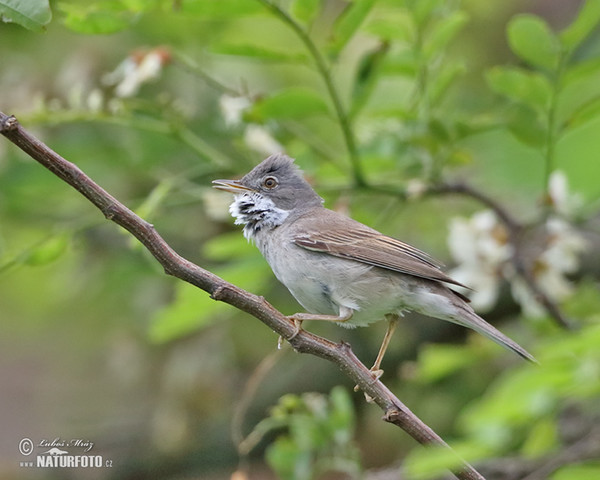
<point>377,100</point>
<point>318,436</point>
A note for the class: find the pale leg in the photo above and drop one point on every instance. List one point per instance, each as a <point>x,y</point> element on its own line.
<point>392,323</point>
<point>376,368</point>
<point>298,318</point>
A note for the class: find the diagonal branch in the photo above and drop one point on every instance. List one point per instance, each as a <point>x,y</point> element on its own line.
<point>338,353</point>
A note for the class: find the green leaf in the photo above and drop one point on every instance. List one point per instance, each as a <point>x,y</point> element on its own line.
<point>443,32</point>
<point>221,9</point>
<point>348,22</point>
<point>586,21</point>
<point>430,462</point>
<point>342,417</point>
<point>47,251</point>
<point>522,86</point>
<point>582,471</point>
<point>392,24</point>
<point>541,439</point>
<point>191,310</point>
<point>293,102</point>
<point>444,80</point>
<point>423,10</point>
<point>439,361</point>
<point>305,10</point>
<point>99,18</point>
<point>587,112</point>
<point>31,14</point>
<point>259,52</point>
<point>284,456</point>
<point>532,40</point>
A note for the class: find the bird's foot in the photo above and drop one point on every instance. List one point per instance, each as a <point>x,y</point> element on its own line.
<point>297,327</point>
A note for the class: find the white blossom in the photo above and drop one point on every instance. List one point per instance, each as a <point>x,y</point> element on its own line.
<point>260,140</point>
<point>560,257</point>
<point>564,202</point>
<point>135,70</point>
<point>480,246</point>
<point>232,108</point>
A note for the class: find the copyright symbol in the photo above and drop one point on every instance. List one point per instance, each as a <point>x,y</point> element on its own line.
<point>26,446</point>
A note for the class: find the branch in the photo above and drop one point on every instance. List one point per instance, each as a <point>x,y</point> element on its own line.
<point>304,342</point>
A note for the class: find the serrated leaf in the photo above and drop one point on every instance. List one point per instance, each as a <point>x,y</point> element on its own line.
<point>532,40</point>
<point>31,14</point>
<point>348,22</point>
<point>443,32</point>
<point>527,88</point>
<point>305,10</point>
<point>586,21</point>
<point>289,103</point>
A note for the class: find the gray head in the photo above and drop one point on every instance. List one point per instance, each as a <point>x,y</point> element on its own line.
<point>268,195</point>
<point>278,179</point>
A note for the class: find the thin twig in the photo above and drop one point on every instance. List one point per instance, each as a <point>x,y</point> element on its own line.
<point>323,70</point>
<point>304,342</point>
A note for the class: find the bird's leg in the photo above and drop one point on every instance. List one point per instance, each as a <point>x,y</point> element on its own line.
<point>344,315</point>
<point>376,368</point>
<point>392,323</point>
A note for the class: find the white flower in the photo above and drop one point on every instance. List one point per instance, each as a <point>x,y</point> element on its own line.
<point>480,246</point>
<point>260,140</point>
<point>95,100</point>
<point>232,109</point>
<point>560,257</point>
<point>137,69</point>
<point>563,202</point>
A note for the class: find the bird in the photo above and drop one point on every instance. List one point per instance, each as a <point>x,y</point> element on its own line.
<point>339,269</point>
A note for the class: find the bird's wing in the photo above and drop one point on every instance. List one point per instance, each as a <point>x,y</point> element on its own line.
<point>360,243</point>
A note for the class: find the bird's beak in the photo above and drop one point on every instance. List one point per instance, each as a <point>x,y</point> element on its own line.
<point>232,186</point>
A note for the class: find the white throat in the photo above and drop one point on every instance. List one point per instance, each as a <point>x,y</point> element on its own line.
<point>256,213</point>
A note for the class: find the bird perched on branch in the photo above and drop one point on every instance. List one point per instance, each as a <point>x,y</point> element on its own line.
<point>338,269</point>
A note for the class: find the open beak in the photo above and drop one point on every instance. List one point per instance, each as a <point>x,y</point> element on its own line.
<point>231,186</point>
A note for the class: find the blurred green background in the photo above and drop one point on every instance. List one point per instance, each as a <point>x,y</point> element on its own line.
<point>378,101</point>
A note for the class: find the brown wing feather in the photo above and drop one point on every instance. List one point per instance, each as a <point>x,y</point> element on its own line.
<point>360,243</point>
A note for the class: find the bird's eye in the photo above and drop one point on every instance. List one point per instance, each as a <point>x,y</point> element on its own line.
<point>270,182</point>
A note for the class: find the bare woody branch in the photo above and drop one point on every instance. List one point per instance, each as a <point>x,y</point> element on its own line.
<point>395,411</point>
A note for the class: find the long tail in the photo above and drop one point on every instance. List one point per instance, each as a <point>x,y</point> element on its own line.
<point>471,320</point>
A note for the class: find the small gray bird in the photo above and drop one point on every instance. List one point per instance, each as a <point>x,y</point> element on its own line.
<point>337,268</point>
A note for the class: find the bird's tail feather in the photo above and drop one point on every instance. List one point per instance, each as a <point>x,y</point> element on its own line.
<point>475,322</point>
